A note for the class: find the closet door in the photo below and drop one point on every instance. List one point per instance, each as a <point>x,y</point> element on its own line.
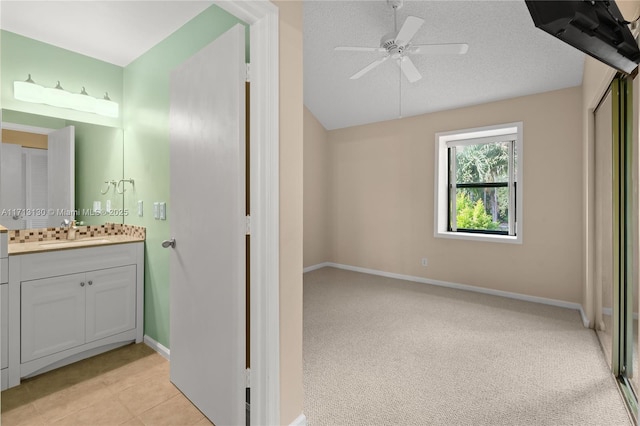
<point>61,172</point>
<point>604,224</point>
<point>12,187</point>
<point>36,186</point>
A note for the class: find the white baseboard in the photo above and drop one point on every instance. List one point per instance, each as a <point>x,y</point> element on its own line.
<point>314,267</point>
<point>609,312</point>
<point>158,347</point>
<point>301,420</point>
<point>465,287</point>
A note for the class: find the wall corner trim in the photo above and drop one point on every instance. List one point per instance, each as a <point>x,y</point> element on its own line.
<point>464,287</point>
<point>301,420</point>
<point>585,318</point>
<point>158,347</point>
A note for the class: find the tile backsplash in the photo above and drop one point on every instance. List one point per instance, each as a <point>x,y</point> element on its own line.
<point>59,233</point>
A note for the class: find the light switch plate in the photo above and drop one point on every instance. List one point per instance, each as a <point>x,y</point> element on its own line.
<point>140,209</point>
<point>107,205</point>
<point>97,206</point>
<point>163,211</point>
<point>156,210</point>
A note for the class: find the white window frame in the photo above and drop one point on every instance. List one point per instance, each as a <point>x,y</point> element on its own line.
<point>474,136</point>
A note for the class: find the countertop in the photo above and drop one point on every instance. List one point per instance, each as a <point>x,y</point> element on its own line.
<point>53,245</point>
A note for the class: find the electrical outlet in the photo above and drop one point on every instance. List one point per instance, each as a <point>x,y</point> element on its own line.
<point>424,261</point>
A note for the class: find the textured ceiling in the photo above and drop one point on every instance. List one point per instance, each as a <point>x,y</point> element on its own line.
<point>507,57</point>
<point>113,31</point>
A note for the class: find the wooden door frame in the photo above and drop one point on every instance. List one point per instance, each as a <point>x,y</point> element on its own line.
<point>262,16</point>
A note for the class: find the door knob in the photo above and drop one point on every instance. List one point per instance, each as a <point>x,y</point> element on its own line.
<point>169,243</point>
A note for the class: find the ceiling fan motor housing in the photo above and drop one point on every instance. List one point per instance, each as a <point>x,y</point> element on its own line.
<point>389,43</point>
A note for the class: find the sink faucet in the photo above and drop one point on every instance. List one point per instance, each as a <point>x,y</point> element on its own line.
<point>71,231</point>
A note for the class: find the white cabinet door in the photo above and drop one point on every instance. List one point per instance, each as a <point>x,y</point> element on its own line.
<point>52,316</point>
<point>111,302</point>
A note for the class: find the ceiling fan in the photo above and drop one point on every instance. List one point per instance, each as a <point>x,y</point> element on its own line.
<point>397,45</point>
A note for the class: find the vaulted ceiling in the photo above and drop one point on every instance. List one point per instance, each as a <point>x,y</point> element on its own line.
<point>507,57</point>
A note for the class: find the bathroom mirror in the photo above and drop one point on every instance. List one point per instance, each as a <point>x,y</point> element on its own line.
<point>97,169</point>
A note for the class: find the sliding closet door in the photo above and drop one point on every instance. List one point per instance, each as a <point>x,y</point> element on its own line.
<point>603,224</point>
<point>634,375</point>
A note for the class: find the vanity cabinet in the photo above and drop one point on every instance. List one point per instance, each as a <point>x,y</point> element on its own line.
<point>72,304</point>
<point>64,312</point>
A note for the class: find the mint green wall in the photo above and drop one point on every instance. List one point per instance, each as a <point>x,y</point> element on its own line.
<point>47,64</point>
<point>98,159</point>
<point>32,120</point>
<point>146,132</point>
<point>98,155</point>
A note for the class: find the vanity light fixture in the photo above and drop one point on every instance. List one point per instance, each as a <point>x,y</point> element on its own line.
<point>106,106</point>
<point>30,91</point>
<point>58,97</point>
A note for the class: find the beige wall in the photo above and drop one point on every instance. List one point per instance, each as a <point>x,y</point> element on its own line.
<point>382,193</point>
<point>317,175</point>
<point>291,157</point>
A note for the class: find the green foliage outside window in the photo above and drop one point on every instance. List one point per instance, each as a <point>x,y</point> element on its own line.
<point>473,215</point>
<point>482,208</point>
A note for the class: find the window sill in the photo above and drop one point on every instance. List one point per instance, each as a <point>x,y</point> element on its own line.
<point>480,237</point>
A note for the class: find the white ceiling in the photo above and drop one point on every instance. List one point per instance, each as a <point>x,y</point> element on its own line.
<point>113,31</point>
<point>507,57</point>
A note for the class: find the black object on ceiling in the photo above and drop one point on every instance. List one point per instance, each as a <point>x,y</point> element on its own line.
<point>595,27</point>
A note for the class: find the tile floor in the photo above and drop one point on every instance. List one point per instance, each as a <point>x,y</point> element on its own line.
<point>126,386</point>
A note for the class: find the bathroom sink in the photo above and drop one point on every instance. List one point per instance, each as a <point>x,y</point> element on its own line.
<point>73,243</point>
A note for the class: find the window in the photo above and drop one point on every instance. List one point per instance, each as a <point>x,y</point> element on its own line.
<point>479,184</point>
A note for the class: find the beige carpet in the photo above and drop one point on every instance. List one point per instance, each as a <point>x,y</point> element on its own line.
<point>379,351</point>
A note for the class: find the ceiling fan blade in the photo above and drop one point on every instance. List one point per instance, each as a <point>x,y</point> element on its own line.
<point>410,27</point>
<point>439,49</point>
<point>409,69</point>
<point>359,49</point>
<point>368,68</point>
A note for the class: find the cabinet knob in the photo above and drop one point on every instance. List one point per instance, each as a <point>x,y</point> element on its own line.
<point>90,282</point>
<point>82,284</point>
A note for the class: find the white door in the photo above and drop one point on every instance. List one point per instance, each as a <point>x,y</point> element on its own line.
<point>12,201</point>
<point>207,263</point>
<point>61,171</point>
